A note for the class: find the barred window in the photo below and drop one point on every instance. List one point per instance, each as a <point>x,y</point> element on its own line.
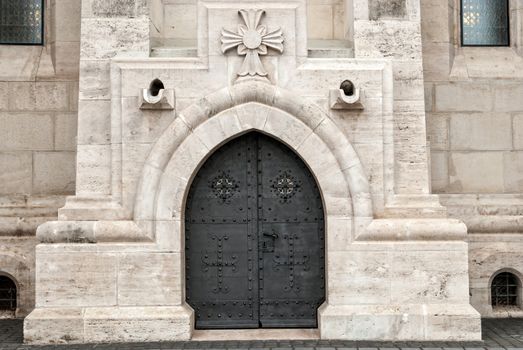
<point>21,22</point>
<point>7,294</point>
<point>485,23</point>
<point>505,289</point>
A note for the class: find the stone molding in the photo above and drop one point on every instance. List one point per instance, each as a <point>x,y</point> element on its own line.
<point>90,232</point>
<point>415,229</point>
<point>247,106</point>
<point>494,223</point>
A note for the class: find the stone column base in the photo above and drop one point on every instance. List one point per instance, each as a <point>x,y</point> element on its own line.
<point>445,322</point>
<point>108,324</point>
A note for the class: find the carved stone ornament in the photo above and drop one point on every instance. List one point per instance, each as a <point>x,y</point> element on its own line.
<point>252,40</point>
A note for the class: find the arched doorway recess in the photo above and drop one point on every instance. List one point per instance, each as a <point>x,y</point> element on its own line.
<point>254,238</point>
<point>8,295</point>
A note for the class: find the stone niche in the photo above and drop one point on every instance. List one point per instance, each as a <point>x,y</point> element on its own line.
<point>174,27</point>
<point>396,266</point>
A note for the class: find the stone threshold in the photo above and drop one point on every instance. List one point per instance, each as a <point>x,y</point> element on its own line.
<point>255,334</point>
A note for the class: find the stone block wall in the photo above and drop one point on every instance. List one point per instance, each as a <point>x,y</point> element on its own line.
<point>475,130</point>
<point>474,105</point>
<point>38,119</point>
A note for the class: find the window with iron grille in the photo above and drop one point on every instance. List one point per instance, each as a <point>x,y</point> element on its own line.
<point>21,22</point>
<point>485,23</point>
<point>505,289</point>
<point>7,294</point>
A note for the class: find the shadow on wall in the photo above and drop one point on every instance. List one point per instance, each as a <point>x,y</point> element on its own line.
<point>8,296</point>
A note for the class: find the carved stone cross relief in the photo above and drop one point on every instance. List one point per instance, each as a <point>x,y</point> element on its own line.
<point>251,41</point>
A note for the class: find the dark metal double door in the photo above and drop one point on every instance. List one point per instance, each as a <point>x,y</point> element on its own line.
<point>254,239</point>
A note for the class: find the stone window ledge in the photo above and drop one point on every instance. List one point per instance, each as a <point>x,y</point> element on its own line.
<point>507,312</point>
<point>486,63</point>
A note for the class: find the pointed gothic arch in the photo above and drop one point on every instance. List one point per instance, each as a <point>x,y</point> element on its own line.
<point>244,107</point>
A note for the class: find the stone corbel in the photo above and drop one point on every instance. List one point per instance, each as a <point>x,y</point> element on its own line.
<point>157,97</point>
<point>347,97</point>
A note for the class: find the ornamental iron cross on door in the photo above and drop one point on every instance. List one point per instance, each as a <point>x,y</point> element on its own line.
<point>220,263</point>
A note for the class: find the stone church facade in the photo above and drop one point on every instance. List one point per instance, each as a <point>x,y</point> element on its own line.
<point>180,169</point>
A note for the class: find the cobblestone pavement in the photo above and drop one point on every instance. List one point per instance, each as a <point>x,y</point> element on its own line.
<point>497,334</point>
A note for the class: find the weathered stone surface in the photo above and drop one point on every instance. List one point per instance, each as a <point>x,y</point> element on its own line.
<point>465,97</point>
<point>54,172</point>
<point>508,97</point>
<point>117,8</point>
<point>426,277</point>
<point>435,14</point>
<point>19,62</point>
<point>392,39</point>
<point>67,22</point>
<point>408,81</point>
<point>140,273</point>
<point>138,324</point>
<point>321,26</point>
<point>42,96</point>
<point>393,323</point>
<point>120,35</point>
<point>386,9</point>
<point>95,83</point>
<point>67,324</point>
<point>439,171</point>
<point>65,130</point>
<point>143,126</point>
<point>513,172</point>
<point>67,58</point>
<point>438,131</point>
<point>476,172</point>
<point>16,172</point>
<point>4,96</point>
<point>26,131</point>
<point>93,169</point>
<point>95,122</point>
<point>517,128</point>
<point>180,21</point>
<point>91,279</point>
<point>475,132</point>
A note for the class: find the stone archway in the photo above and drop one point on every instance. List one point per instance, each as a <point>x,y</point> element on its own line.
<point>214,120</point>
<point>244,107</point>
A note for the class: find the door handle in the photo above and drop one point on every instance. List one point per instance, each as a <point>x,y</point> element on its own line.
<point>272,235</point>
